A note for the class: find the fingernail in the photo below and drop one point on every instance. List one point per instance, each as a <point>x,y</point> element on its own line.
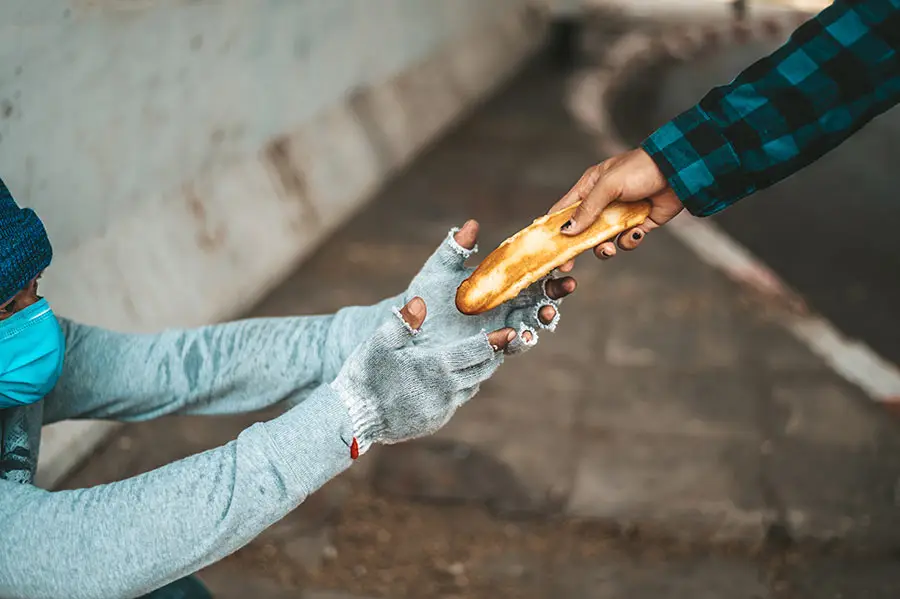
<point>636,235</point>
<point>605,254</point>
<point>510,336</point>
<point>569,224</point>
<point>415,308</point>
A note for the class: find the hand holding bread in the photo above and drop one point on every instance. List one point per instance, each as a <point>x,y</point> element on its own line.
<point>535,251</point>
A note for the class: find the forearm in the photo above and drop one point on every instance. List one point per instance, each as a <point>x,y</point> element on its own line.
<point>349,328</point>
<point>127,538</point>
<point>235,367</point>
<point>835,74</point>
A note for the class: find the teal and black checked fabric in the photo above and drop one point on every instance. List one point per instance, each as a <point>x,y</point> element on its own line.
<point>836,73</point>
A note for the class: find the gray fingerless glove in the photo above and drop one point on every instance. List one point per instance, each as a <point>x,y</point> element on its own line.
<point>437,283</point>
<point>396,388</point>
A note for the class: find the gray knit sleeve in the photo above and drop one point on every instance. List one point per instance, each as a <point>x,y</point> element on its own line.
<point>239,366</point>
<point>127,538</point>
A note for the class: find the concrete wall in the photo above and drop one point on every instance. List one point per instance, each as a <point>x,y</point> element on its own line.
<point>200,149</point>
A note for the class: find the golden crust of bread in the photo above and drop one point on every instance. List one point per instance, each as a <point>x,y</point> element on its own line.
<point>536,250</point>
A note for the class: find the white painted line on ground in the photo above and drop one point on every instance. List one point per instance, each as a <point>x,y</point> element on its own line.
<point>726,254</point>
<point>852,359</point>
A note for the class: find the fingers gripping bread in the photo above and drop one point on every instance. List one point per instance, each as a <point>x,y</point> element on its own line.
<point>536,250</point>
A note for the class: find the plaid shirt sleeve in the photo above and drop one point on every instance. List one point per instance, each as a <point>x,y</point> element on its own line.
<point>836,73</point>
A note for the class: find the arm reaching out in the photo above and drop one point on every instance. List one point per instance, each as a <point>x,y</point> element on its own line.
<point>256,363</point>
<point>220,369</point>
<point>128,538</point>
<point>835,74</point>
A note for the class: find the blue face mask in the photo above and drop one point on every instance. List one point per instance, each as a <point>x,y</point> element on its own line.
<point>32,348</point>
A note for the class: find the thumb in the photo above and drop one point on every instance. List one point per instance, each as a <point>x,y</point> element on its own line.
<point>606,191</point>
<point>413,313</point>
<point>630,177</point>
<point>402,326</point>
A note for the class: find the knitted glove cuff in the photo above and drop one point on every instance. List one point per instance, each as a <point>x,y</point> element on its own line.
<point>367,427</point>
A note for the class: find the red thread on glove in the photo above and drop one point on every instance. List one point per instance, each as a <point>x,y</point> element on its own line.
<point>354,449</point>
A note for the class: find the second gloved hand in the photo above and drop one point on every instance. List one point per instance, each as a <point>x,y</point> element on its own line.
<point>535,308</point>
<point>396,388</point>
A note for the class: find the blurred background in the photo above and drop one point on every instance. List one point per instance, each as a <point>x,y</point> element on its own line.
<point>200,161</point>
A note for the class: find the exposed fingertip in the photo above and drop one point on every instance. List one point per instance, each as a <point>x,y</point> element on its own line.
<point>631,239</point>
<point>547,314</point>
<point>416,306</point>
<point>501,338</point>
<point>467,234</point>
<point>605,252</point>
<point>414,312</point>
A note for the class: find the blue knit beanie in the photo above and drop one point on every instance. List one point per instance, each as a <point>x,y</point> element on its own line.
<point>24,247</point>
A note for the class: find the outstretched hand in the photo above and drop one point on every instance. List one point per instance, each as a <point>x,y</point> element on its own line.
<point>628,177</point>
<point>536,308</point>
<point>427,359</point>
<point>557,289</point>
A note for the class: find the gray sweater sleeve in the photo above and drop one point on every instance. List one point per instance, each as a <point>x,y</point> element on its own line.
<point>220,369</point>
<point>127,538</point>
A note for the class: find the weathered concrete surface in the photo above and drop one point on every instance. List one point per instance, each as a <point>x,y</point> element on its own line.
<point>830,578</point>
<point>836,469</point>
<point>156,93</point>
<point>667,441</point>
<point>672,578</point>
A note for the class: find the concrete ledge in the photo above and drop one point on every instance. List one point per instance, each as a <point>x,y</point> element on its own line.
<point>229,235</point>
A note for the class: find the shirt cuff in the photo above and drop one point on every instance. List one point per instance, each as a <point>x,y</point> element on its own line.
<point>699,162</point>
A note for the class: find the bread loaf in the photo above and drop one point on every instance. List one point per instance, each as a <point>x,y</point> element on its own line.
<point>537,250</point>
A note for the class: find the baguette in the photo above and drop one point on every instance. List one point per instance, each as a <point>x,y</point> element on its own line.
<point>537,250</point>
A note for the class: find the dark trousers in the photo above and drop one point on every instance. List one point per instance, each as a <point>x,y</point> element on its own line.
<point>186,588</point>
